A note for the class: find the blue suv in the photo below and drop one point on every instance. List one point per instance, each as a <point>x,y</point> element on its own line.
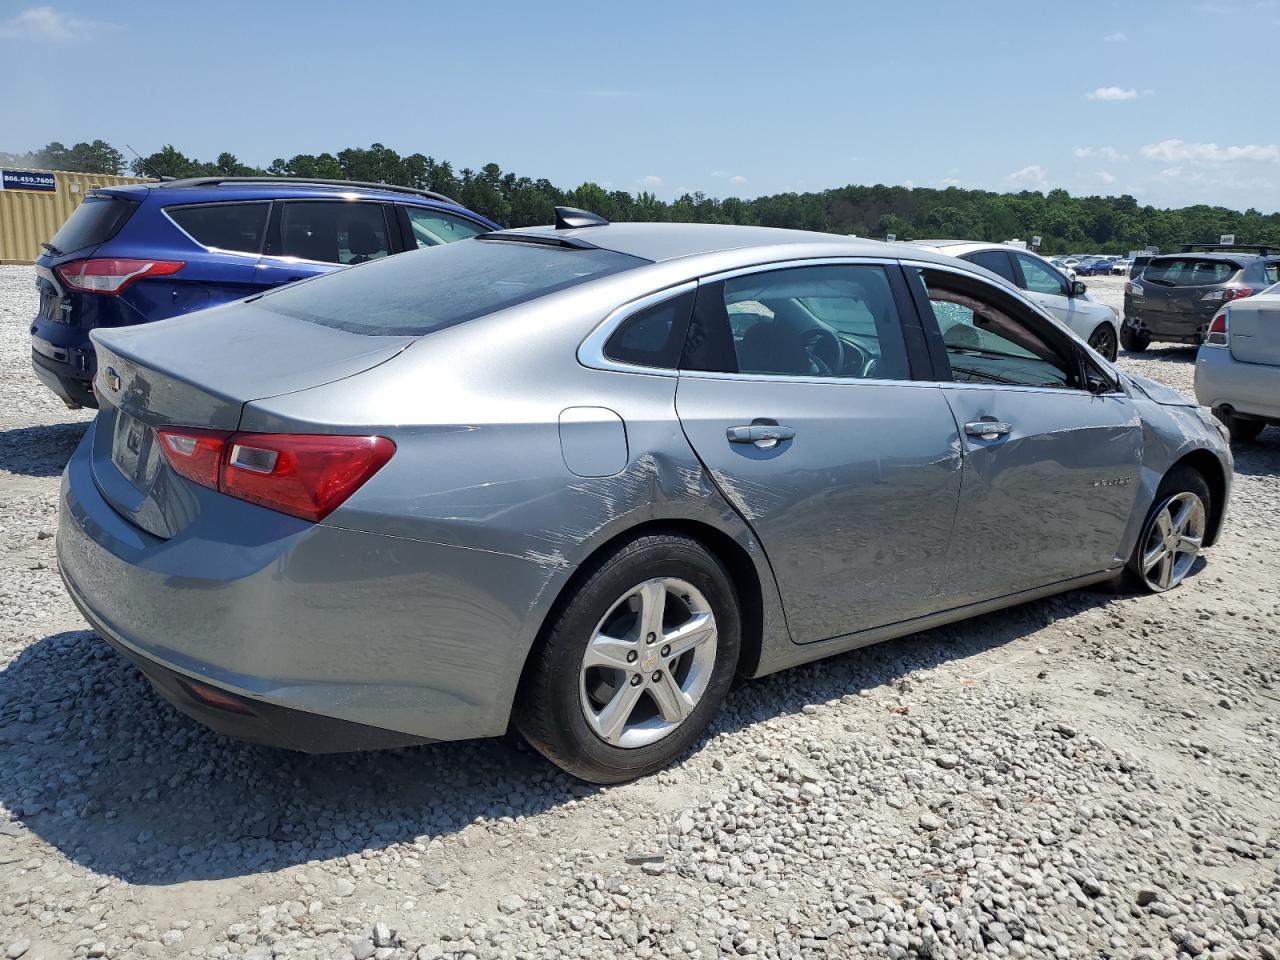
<point>149,251</point>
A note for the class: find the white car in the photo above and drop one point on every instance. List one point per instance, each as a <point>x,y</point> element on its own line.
<point>1067,267</point>
<point>1238,366</point>
<point>1060,294</point>
<point>1120,268</point>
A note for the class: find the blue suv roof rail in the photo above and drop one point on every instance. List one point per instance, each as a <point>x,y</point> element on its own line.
<point>306,181</point>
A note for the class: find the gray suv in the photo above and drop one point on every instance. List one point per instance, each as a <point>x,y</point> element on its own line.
<point>1176,296</point>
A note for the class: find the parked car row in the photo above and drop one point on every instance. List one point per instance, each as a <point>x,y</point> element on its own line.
<point>581,478</point>
<point>140,253</point>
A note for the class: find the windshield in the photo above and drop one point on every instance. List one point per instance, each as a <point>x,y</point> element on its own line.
<point>95,221</point>
<point>412,294</point>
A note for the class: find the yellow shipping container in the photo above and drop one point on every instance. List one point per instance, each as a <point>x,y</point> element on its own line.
<point>28,216</point>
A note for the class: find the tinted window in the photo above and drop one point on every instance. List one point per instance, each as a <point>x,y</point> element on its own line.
<point>1272,271</point>
<point>95,221</point>
<point>432,228</point>
<point>997,261</point>
<point>653,337</point>
<point>828,321</point>
<point>334,232</point>
<point>416,293</point>
<point>224,226</point>
<point>1040,278</point>
<point>987,344</point>
<point>1189,271</point>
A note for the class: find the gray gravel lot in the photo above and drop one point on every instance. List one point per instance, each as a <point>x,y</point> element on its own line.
<point>1086,776</point>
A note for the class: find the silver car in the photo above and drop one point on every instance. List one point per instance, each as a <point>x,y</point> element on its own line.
<point>1238,366</point>
<point>582,478</point>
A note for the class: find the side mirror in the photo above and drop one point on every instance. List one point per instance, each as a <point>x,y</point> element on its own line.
<point>1078,288</point>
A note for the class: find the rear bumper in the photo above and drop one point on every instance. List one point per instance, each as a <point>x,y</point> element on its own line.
<point>1252,389</point>
<point>64,378</point>
<point>332,639</point>
<point>1171,328</point>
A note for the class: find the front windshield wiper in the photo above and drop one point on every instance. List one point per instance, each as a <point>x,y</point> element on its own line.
<point>51,248</point>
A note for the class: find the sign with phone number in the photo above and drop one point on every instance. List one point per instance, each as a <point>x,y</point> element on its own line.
<point>27,180</point>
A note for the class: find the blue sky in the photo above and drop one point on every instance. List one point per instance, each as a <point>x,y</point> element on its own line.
<point>745,98</point>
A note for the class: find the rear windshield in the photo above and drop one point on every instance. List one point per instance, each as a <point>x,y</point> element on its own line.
<point>1189,271</point>
<point>95,221</point>
<point>412,294</point>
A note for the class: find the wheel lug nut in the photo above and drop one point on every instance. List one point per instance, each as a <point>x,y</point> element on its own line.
<point>631,656</point>
<point>666,650</point>
<point>657,675</point>
<point>636,680</point>
<point>651,638</point>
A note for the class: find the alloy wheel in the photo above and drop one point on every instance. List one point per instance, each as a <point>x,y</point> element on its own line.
<point>1103,340</point>
<point>1173,541</point>
<point>648,662</point>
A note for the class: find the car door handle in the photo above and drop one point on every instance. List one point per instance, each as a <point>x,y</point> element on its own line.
<point>763,435</point>
<point>988,429</point>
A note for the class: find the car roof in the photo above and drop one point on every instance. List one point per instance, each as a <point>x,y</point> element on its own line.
<point>955,247</point>
<point>170,193</point>
<point>659,242</point>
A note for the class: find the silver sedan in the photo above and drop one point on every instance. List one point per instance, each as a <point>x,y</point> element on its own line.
<point>584,477</point>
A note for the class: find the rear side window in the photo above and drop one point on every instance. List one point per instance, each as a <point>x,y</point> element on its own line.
<point>653,337</point>
<point>1189,271</point>
<point>95,221</point>
<point>334,231</point>
<point>825,321</point>
<point>1272,271</point>
<point>997,261</point>
<point>224,226</point>
<point>416,293</point>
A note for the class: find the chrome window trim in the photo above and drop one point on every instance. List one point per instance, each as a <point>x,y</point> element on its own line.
<point>218,203</point>
<point>591,351</point>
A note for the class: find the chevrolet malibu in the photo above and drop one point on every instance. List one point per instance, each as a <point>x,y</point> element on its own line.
<point>582,478</point>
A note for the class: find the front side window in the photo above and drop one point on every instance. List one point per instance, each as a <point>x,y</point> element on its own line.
<point>985,341</point>
<point>224,226</point>
<point>433,227</point>
<point>824,321</point>
<point>1039,278</point>
<point>334,231</point>
<point>997,261</point>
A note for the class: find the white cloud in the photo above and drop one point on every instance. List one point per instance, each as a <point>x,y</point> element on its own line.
<point>1105,177</point>
<point>1182,151</point>
<point>950,182</point>
<point>719,173</point>
<point>1116,37</point>
<point>1113,93</point>
<point>738,179</point>
<point>652,180</point>
<point>1106,153</point>
<point>46,23</point>
<point>1033,175</point>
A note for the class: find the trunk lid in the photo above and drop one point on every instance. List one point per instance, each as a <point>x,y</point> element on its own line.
<point>1255,330</point>
<point>200,371</point>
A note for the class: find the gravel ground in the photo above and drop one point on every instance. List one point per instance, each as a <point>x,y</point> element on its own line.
<point>1086,776</point>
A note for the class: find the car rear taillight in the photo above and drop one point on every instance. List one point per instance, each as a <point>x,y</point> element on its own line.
<point>304,475</point>
<point>1133,289</point>
<point>113,276</point>
<point>1219,330</point>
<point>1228,293</point>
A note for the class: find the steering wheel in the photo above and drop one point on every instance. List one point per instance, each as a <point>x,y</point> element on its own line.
<point>826,352</point>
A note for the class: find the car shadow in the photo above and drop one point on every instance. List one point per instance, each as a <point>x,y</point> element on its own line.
<point>40,451</point>
<point>1176,352</point>
<point>102,769</point>
<point>1260,457</point>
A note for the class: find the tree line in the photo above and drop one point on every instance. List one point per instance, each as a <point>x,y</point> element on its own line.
<point>1065,223</point>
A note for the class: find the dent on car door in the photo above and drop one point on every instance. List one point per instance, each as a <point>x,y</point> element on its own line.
<point>1050,470</point>
<point>796,394</point>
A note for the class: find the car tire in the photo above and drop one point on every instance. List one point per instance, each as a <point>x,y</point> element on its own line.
<point>1103,340</point>
<point>1170,541</point>
<point>1132,340</point>
<point>1242,429</point>
<point>600,658</point>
